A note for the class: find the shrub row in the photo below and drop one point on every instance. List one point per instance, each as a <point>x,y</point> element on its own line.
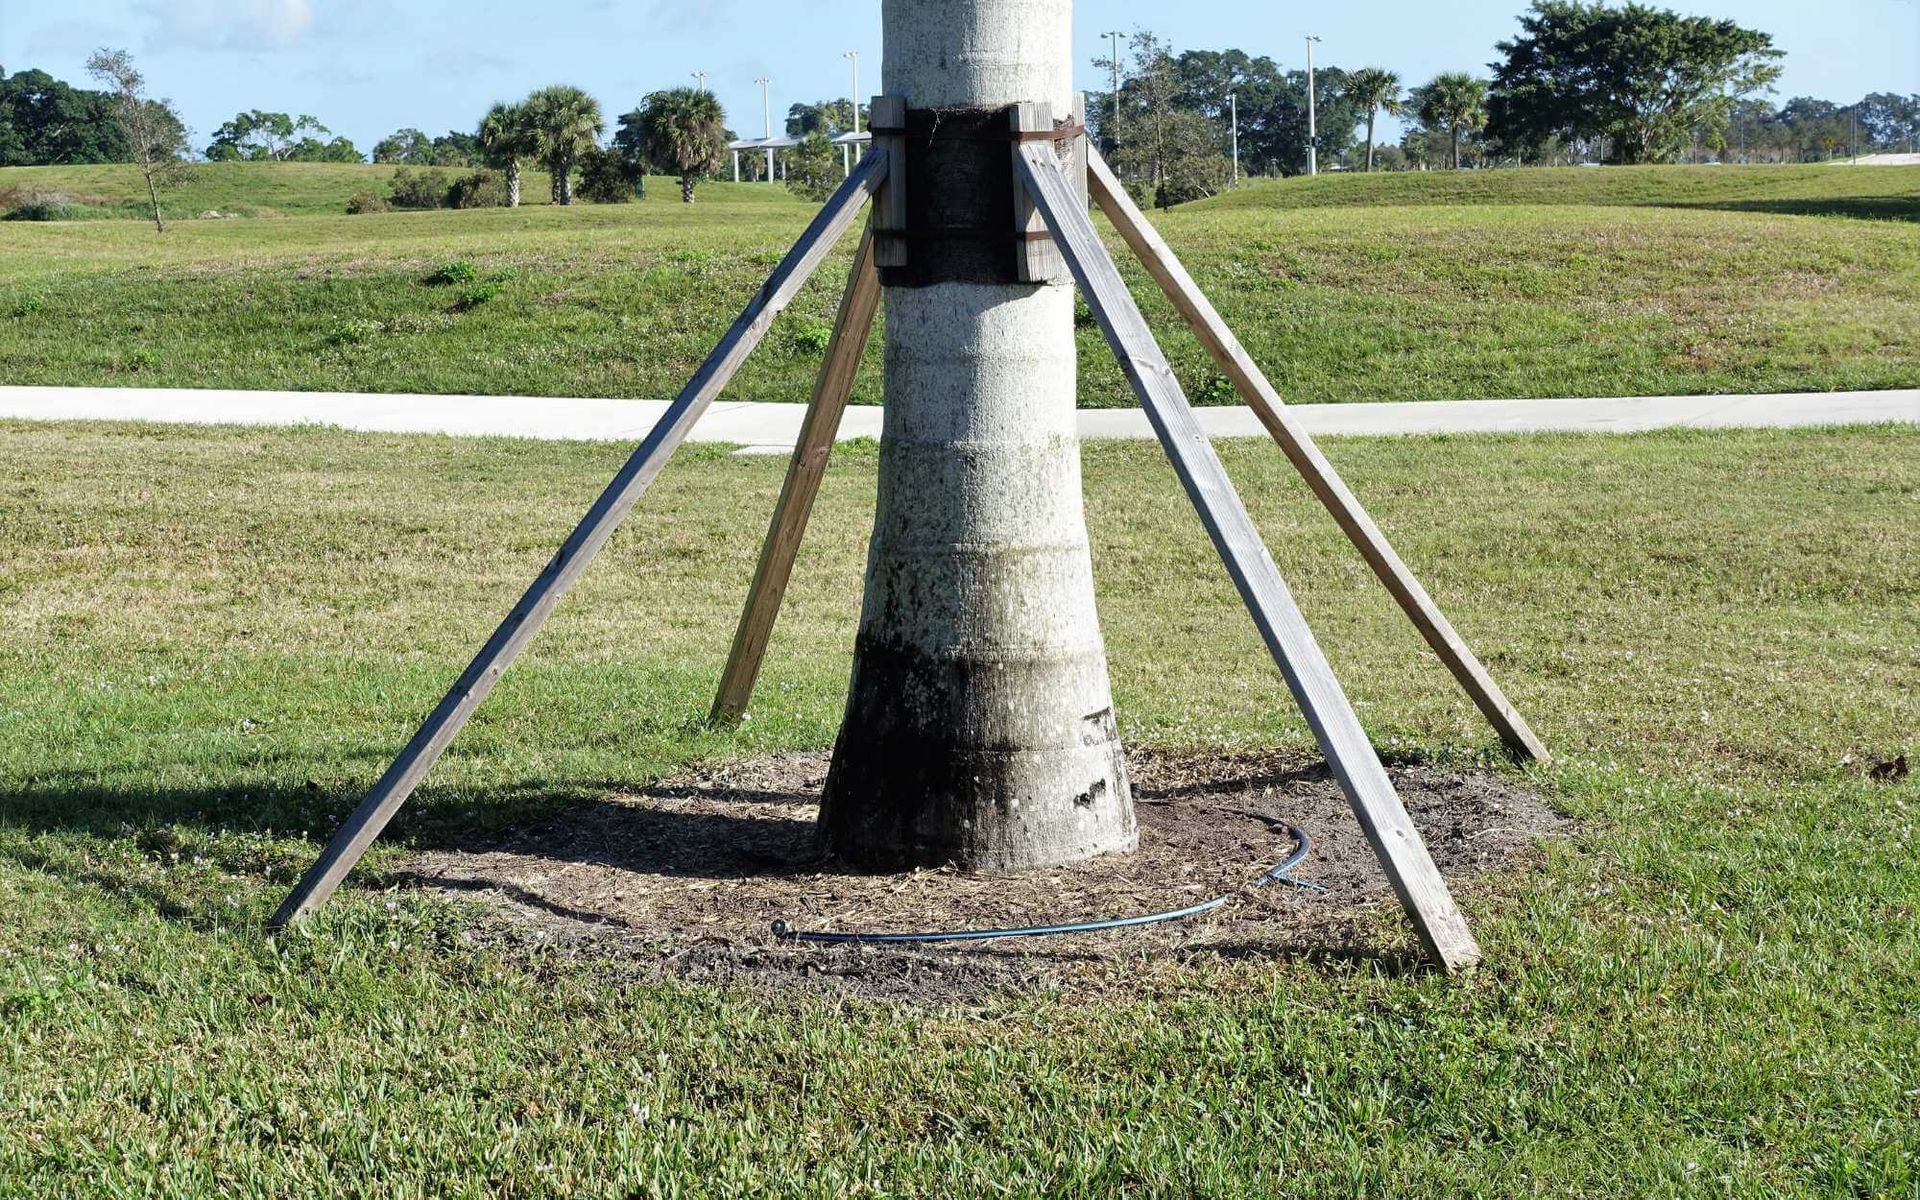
<point>433,188</point>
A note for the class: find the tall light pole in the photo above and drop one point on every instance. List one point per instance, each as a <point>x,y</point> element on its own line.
<point>846,152</point>
<point>1313,117</point>
<point>700,78</point>
<point>853,56</point>
<point>1113,60</point>
<point>1233,106</point>
<point>766,112</point>
<point>1913,133</point>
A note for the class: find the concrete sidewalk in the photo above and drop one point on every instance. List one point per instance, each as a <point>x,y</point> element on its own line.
<point>772,428</point>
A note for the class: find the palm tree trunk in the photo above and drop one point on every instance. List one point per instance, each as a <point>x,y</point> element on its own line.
<point>686,189</point>
<point>513,183</point>
<point>979,725</point>
<point>1370,118</point>
<point>1456,147</point>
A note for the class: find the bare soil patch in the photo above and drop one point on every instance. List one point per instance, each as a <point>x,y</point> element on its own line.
<point>688,877</point>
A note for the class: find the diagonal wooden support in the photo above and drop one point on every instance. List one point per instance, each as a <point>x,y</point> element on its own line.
<point>474,684</point>
<point>1415,878</point>
<point>1298,445</point>
<point>804,472</point>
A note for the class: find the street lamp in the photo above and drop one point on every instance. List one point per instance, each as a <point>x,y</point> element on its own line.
<point>853,56</point>
<point>701,78</point>
<point>1233,106</point>
<point>846,151</point>
<point>1313,118</point>
<point>1113,135</point>
<point>766,112</point>
<point>1913,133</point>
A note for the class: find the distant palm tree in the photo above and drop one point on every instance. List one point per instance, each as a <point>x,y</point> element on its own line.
<point>685,131</point>
<point>564,122</point>
<point>1456,102</point>
<point>1378,92</point>
<point>505,139</point>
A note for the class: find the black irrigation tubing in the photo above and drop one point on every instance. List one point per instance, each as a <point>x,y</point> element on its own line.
<point>1281,873</point>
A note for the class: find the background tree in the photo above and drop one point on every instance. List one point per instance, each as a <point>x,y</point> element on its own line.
<point>1813,128</point>
<point>456,149</point>
<point>564,122</point>
<point>338,149</point>
<point>1375,91</point>
<point>829,117</point>
<point>1891,122</point>
<point>1426,149</point>
<point>1168,141</point>
<point>1648,80</point>
<point>45,122</point>
<point>505,139</point>
<point>813,168</point>
<point>257,136</point>
<point>1139,128</point>
<point>1195,165</point>
<point>1272,102</point>
<point>1454,103</point>
<point>630,139</point>
<point>156,138</point>
<point>1208,79</point>
<point>408,146</point>
<point>1389,157</point>
<point>684,132</point>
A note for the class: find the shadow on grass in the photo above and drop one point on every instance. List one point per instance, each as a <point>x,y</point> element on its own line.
<point>74,804</point>
<point>1869,208</point>
<point>182,852</point>
<point>213,858</point>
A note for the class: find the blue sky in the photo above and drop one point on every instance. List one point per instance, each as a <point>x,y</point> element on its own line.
<point>366,67</point>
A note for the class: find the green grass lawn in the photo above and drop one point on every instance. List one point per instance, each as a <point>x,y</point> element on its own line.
<point>232,189</point>
<point>215,639</point>
<point>1404,287</point>
<point>244,189</point>
<point>1836,190</point>
<point>252,189</point>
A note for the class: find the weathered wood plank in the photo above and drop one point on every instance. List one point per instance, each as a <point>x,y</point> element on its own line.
<point>1039,261</point>
<point>1298,445</point>
<point>1083,150</point>
<point>1415,878</point>
<point>887,118</point>
<point>804,473</point>
<point>474,684</point>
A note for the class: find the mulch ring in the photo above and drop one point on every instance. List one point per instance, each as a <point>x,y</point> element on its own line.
<point>687,878</point>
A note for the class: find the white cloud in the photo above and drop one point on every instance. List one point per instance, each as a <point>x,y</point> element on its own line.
<point>231,24</point>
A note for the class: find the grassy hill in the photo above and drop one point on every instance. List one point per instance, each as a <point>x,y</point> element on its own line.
<point>1555,290</point>
<point>1831,190</point>
<point>246,189</point>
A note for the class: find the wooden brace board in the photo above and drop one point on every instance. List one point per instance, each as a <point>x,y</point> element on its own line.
<point>1299,447</point>
<point>804,473</point>
<point>477,681</point>
<point>1410,869</point>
